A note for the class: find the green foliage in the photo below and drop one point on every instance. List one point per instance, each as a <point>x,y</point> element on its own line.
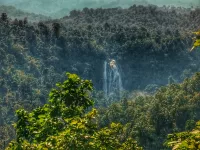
<point>73,92</point>
<point>196,40</point>
<point>185,140</point>
<point>62,124</point>
<point>190,124</point>
<point>18,48</point>
<point>32,60</point>
<point>150,118</point>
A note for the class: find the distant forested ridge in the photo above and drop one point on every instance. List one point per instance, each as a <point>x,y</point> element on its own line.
<point>149,43</point>
<point>13,13</point>
<point>60,8</point>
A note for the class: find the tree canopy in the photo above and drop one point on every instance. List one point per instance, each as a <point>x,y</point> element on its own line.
<point>185,140</point>
<point>197,40</point>
<point>35,56</point>
<point>62,124</point>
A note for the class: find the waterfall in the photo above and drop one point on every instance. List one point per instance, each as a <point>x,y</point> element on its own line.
<point>112,83</point>
<point>105,88</point>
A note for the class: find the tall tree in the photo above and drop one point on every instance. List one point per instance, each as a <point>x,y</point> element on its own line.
<point>62,123</point>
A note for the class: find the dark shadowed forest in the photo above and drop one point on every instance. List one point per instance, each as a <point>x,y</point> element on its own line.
<point>158,107</point>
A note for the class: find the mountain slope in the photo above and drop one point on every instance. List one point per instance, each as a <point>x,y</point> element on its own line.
<point>13,13</point>
<point>54,8</point>
<point>150,45</point>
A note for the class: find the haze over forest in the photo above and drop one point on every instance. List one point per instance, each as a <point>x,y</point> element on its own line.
<point>133,74</point>
<point>60,8</point>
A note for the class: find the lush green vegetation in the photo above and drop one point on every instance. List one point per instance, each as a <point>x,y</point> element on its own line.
<point>150,118</point>
<point>197,40</point>
<point>62,123</point>
<point>189,139</point>
<point>66,121</point>
<point>185,140</point>
<point>35,56</point>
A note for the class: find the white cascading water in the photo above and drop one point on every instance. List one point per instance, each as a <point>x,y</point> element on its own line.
<point>112,84</point>
<point>105,86</point>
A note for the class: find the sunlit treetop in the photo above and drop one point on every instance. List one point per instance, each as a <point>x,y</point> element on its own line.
<point>63,124</point>
<point>197,40</point>
<point>185,140</point>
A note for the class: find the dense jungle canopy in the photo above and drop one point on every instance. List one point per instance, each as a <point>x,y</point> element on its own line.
<point>160,78</point>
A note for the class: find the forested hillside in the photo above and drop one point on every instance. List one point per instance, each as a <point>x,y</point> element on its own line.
<point>60,8</point>
<point>14,13</point>
<point>65,123</point>
<point>155,39</point>
<point>150,118</point>
<point>150,44</point>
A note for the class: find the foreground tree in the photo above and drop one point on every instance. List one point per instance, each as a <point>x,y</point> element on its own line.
<point>196,40</point>
<point>185,140</point>
<point>62,124</point>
